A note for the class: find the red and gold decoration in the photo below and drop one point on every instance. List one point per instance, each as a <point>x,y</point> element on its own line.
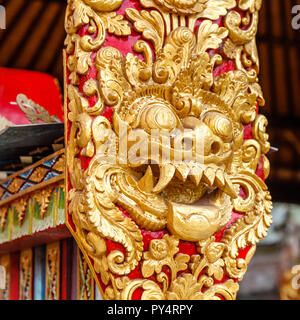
<point>53,271</point>
<point>85,280</point>
<point>26,275</point>
<point>5,263</point>
<point>32,199</point>
<point>158,229</point>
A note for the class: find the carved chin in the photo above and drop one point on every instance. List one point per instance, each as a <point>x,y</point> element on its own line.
<point>199,221</point>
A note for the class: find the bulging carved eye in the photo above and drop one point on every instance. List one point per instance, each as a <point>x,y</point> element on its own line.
<point>219,124</point>
<point>164,118</point>
<point>158,116</point>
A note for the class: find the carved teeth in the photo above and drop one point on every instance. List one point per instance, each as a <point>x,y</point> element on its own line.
<point>213,177</point>
<point>209,176</point>
<point>182,171</point>
<point>146,182</point>
<point>229,188</point>
<point>220,180</point>
<point>196,174</point>
<point>166,174</point>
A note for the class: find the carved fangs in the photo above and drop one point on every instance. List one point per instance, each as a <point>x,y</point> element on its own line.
<point>167,172</point>
<point>211,176</point>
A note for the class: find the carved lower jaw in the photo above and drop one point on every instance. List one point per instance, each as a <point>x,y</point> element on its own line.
<point>199,221</point>
<point>192,211</point>
<point>205,205</point>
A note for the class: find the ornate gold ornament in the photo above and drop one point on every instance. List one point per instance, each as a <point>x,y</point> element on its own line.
<point>5,263</point>
<point>85,280</point>
<point>26,275</point>
<point>53,271</point>
<point>170,84</point>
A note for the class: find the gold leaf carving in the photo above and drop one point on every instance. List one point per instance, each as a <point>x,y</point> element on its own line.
<point>210,36</point>
<point>115,24</point>
<point>104,5</point>
<point>173,88</point>
<point>150,24</point>
<point>210,9</point>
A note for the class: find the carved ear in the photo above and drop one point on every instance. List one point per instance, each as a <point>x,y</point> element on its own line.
<point>251,152</point>
<point>111,78</point>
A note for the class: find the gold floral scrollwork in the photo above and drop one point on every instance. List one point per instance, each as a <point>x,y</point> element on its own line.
<point>169,83</point>
<point>20,206</point>
<point>241,44</point>
<point>52,279</point>
<point>3,217</point>
<point>26,275</point>
<point>6,264</point>
<point>43,199</point>
<point>259,131</point>
<point>100,17</point>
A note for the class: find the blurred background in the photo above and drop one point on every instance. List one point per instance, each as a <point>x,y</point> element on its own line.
<point>34,38</point>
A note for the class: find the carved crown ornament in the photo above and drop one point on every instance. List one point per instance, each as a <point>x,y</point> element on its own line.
<point>166,151</point>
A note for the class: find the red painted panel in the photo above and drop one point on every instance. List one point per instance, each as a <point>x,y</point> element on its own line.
<point>14,276</point>
<point>40,87</point>
<point>63,270</point>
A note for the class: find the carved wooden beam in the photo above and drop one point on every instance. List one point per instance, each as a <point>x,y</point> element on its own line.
<point>165,147</point>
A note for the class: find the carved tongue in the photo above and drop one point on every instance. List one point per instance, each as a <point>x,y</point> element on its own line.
<point>166,174</point>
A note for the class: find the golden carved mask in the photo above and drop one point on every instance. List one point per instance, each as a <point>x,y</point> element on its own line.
<point>166,151</point>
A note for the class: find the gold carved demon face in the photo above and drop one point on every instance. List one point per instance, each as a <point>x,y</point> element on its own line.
<point>190,127</point>
<point>173,157</point>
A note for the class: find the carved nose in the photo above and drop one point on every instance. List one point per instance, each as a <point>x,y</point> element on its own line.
<point>216,146</point>
<point>205,141</point>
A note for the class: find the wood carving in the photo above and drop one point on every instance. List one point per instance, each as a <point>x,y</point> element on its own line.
<point>166,151</point>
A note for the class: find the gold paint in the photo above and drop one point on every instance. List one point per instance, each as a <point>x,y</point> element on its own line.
<point>26,275</point>
<point>20,206</point>
<point>43,197</point>
<point>38,174</point>
<point>3,217</point>
<point>60,164</point>
<point>2,190</point>
<point>34,188</point>
<point>175,89</point>
<point>15,185</point>
<point>210,9</point>
<point>5,262</point>
<point>85,280</point>
<point>24,200</point>
<point>52,271</point>
<point>241,44</point>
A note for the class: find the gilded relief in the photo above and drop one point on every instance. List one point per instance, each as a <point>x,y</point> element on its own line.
<point>166,99</point>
